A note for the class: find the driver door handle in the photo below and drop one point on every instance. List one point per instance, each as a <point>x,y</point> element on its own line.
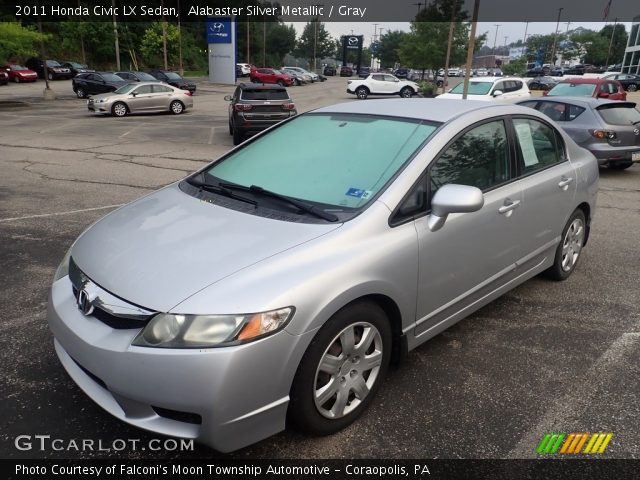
<point>508,206</point>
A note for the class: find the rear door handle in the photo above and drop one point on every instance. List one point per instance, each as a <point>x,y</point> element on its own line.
<point>509,205</point>
<point>564,182</point>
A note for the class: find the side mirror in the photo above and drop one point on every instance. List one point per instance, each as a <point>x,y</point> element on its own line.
<point>396,80</point>
<point>497,93</point>
<point>134,94</point>
<point>227,98</point>
<point>453,198</point>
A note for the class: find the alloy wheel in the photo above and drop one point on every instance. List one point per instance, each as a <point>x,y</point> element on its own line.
<point>572,244</point>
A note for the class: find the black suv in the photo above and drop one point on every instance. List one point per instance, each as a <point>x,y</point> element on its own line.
<point>95,83</point>
<point>329,71</point>
<point>255,107</point>
<point>55,71</point>
<point>172,78</point>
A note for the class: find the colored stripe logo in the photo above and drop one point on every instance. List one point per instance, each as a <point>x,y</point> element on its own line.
<point>574,443</point>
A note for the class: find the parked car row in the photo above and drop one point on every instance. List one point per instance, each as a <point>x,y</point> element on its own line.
<point>85,84</point>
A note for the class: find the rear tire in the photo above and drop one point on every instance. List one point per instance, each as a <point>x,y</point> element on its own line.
<point>570,247</point>
<point>176,107</point>
<point>632,88</point>
<point>80,93</point>
<point>237,137</point>
<point>620,165</point>
<point>342,369</point>
<point>281,83</point>
<point>362,93</point>
<point>16,79</point>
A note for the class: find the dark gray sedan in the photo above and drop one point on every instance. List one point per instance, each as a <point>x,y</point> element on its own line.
<point>609,129</point>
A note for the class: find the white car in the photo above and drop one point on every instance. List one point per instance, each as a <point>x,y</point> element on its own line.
<point>302,71</point>
<point>381,84</point>
<point>245,69</point>
<point>511,89</point>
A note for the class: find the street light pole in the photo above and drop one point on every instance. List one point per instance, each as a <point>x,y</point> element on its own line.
<point>555,38</point>
<point>495,38</point>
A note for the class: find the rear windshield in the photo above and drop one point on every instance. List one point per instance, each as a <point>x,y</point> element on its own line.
<point>573,89</point>
<point>111,77</point>
<point>53,63</point>
<point>264,94</point>
<point>146,77</point>
<point>620,114</point>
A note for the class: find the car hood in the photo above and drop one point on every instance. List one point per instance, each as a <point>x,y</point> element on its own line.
<point>163,248</point>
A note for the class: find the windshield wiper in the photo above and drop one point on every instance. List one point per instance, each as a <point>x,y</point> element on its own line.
<point>305,207</point>
<point>220,190</point>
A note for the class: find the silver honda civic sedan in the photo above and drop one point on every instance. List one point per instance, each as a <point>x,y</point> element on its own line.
<point>273,288</point>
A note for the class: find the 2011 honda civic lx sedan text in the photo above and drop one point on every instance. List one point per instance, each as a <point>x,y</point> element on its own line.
<point>275,285</point>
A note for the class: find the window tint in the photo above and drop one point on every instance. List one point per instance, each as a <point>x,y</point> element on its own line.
<point>619,114</point>
<point>539,145</point>
<point>378,78</point>
<point>554,110</point>
<point>304,170</point>
<point>479,158</point>
<point>389,78</point>
<point>574,112</point>
<point>142,90</point>
<point>161,89</point>
<point>413,204</point>
<point>573,89</point>
<point>265,94</point>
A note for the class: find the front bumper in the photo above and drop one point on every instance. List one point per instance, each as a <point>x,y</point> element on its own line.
<point>226,398</point>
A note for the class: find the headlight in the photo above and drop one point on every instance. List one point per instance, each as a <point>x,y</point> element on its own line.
<point>63,268</point>
<point>168,330</point>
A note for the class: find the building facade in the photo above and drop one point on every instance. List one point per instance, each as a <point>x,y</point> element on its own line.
<point>631,61</point>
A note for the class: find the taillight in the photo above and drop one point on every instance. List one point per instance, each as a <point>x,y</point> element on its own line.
<point>187,93</point>
<point>242,107</point>
<point>604,134</point>
<point>288,106</point>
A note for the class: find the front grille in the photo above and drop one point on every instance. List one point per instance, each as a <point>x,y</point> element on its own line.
<point>117,322</point>
<point>178,416</point>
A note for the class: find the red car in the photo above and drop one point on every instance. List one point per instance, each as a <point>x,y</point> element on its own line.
<point>588,87</point>
<point>19,73</point>
<point>269,75</point>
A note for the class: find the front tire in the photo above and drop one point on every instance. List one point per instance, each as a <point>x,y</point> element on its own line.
<point>176,107</point>
<point>362,93</point>
<point>406,92</point>
<point>569,249</point>
<point>50,76</point>
<point>341,370</point>
<point>16,79</point>
<point>119,109</point>
<point>632,88</point>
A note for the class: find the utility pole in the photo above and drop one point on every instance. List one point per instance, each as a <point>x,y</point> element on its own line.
<point>555,38</point>
<point>471,46</point>
<point>495,38</point>
<point>115,35</point>
<point>181,69</point>
<point>248,42</point>
<point>606,64</point>
<point>449,42</point>
<point>164,37</point>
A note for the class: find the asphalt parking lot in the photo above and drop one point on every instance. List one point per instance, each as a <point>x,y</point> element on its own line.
<point>546,357</point>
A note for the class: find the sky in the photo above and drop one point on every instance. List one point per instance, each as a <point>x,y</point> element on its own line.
<point>514,31</point>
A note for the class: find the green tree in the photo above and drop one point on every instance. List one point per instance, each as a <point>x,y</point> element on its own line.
<point>315,37</point>
<point>18,42</point>
<point>281,39</point>
<point>389,48</point>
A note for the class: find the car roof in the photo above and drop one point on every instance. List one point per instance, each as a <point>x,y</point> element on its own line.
<point>261,86</point>
<point>581,101</point>
<point>431,109</point>
<point>591,81</point>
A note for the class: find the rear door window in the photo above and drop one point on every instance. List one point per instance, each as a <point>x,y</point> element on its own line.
<point>539,145</point>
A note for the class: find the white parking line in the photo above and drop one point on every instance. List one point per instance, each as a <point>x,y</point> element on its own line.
<point>70,212</point>
<point>580,396</point>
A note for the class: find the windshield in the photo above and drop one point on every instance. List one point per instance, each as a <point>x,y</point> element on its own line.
<point>112,77</point>
<point>53,63</point>
<point>173,76</point>
<point>620,114</point>
<point>126,88</point>
<point>573,89</point>
<point>18,68</point>
<point>77,65</point>
<point>146,77</point>
<point>341,160</point>
<point>475,88</point>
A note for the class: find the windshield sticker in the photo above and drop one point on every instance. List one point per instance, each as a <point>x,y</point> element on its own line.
<point>358,193</point>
